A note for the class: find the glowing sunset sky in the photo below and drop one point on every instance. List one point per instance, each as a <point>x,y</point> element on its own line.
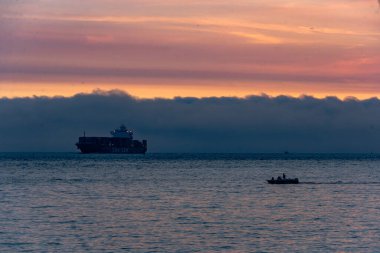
<point>156,48</point>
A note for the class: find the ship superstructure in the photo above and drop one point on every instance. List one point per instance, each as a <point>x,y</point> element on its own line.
<point>121,142</point>
<point>122,132</point>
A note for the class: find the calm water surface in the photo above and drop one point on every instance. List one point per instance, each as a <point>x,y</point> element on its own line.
<point>69,202</point>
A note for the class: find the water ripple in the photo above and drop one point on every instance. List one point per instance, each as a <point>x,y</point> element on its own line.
<point>188,203</point>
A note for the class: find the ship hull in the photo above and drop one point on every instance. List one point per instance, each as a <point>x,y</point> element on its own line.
<point>111,145</point>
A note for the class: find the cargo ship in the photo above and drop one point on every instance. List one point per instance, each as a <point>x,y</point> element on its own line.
<point>121,142</point>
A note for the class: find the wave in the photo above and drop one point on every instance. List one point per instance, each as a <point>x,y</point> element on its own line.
<point>341,182</point>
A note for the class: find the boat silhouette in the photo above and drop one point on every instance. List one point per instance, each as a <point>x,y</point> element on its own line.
<point>283,180</point>
<point>121,142</point>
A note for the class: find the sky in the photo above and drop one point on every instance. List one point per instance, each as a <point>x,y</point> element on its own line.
<point>156,48</point>
<point>192,76</point>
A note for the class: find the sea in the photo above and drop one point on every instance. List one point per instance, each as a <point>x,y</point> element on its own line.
<point>70,202</point>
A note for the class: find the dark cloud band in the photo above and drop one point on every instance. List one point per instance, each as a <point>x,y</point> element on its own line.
<point>253,124</point>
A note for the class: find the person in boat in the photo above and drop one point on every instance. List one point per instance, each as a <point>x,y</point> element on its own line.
<point>272,178</point>
<point>283,176</point>
<point>279,178</point>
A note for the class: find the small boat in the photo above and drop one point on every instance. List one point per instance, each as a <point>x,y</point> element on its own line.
<point>283,181</point>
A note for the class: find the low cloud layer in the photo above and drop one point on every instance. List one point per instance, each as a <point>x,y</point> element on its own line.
<point>253,124</point>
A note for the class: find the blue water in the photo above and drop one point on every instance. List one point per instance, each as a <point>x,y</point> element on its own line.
<point>68,202</point>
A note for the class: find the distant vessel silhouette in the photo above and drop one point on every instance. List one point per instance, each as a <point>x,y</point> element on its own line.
<point>283,180</point>
<point>121,142</point>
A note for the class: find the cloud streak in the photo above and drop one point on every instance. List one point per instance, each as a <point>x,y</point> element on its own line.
<point>252,124</point>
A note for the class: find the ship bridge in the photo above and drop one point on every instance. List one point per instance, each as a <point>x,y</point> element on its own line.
<point>122,132</point>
